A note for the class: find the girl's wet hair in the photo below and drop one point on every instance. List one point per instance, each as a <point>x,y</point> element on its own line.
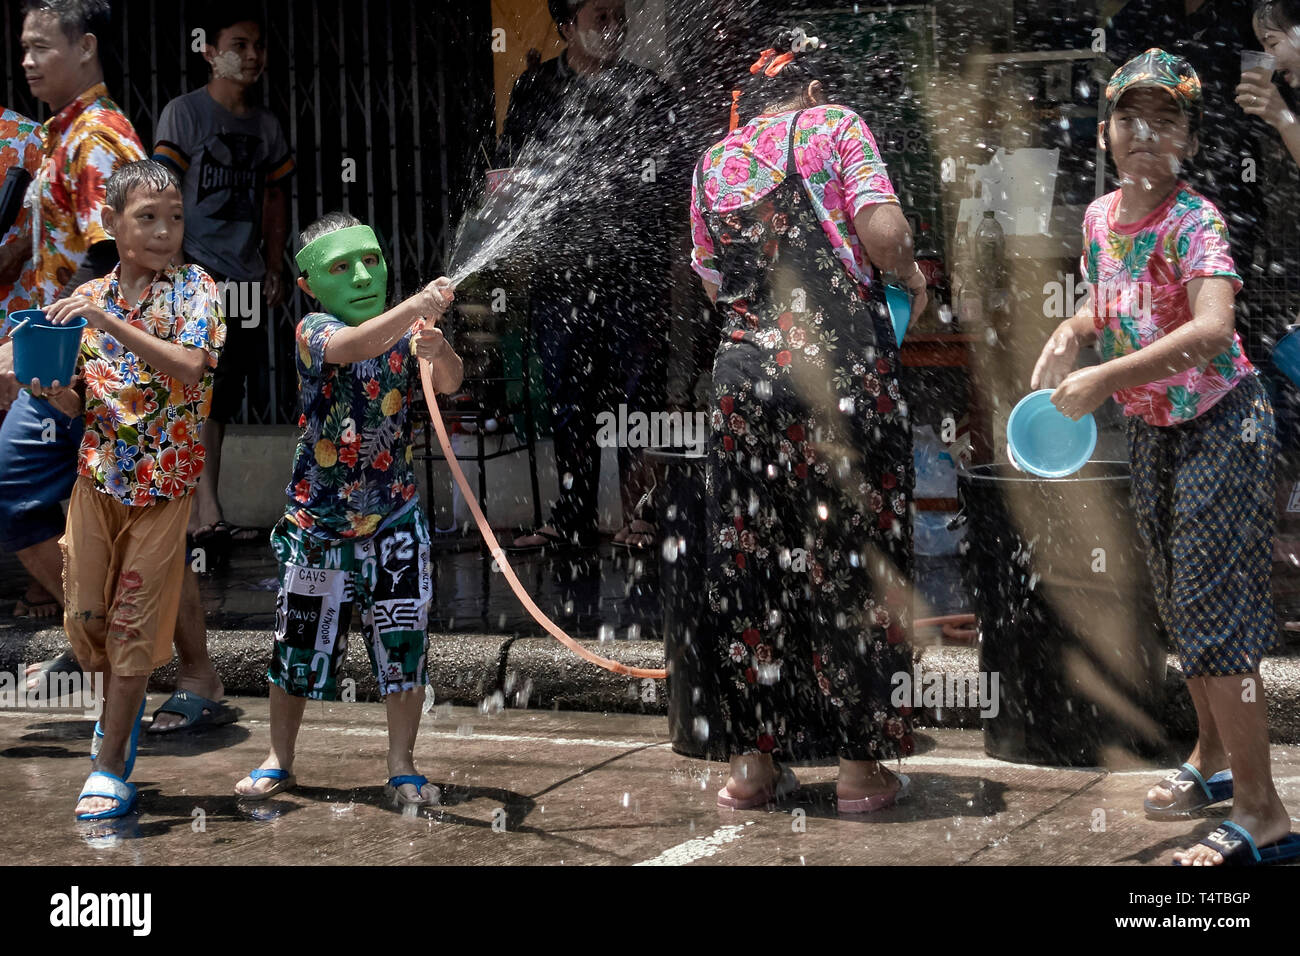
<point>142,174</point>
<point>759,91</point>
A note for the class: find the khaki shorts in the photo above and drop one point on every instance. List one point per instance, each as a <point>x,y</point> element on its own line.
<point>123,568</point>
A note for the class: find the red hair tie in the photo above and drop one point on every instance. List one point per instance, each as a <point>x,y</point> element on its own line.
<point>771,65</point>
<point>762,60</point>
<point>779,64</point>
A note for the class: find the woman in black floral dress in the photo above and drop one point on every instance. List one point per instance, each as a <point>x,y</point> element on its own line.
<point>809,472</point>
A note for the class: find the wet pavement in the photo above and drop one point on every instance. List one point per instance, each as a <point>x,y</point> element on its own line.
<point>551,787</point>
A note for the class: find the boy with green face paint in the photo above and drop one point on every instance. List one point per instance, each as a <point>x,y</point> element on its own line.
<point>353,533</point>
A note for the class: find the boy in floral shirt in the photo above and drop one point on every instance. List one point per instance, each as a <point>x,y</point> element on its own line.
<point>153,334</point>
<point>353,532</point>
<point>1201,442</point>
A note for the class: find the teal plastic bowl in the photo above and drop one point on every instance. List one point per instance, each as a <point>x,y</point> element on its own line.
<point>1044,441</point>
<point>900,309</point>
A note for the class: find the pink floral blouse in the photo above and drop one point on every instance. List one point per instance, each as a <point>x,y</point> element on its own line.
<point>835,154</point>
<point>1139,274</point>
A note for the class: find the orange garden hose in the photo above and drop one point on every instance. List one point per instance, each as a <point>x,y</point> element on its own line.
<point>490,539</point>
<point>948,623</point>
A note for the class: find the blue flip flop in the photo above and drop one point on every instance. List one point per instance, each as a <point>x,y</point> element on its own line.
<point>112,787</point>
<point>284,780</point>
<point>419,782</point>
<point>1191,792</point>
<point>1238,847</point>
<point>97,741</point>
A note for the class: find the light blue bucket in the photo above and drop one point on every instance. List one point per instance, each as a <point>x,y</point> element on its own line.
<point>1046,443</point>
<point>44,350</point>
<point>900,309</point>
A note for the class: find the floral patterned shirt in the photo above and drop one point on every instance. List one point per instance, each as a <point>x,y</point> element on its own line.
<point>352,467</point>
<point>20,145</point>
<point>835,154</point>
<point>142,425</point>
<point>1139,273</point>
<point>84,142</point>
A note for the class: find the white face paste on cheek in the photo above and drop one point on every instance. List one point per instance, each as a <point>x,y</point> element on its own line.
<point>228,65</point>
<point>601,45</point>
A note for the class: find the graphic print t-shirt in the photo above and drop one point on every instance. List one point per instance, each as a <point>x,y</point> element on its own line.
<point>224,161</point>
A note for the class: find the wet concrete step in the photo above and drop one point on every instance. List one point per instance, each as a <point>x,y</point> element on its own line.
<point>494,671</point>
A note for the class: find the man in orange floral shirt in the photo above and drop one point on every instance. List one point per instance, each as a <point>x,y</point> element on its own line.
<point>86,139</point>
<point>20,149</point>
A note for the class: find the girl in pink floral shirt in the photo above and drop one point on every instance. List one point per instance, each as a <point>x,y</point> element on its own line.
<point>1140,271</point>
<point>1201,443</point>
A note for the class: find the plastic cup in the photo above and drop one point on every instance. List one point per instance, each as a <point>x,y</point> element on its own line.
<point>43,350</point>
<point>1046,443</point>
<point>1254,60</point>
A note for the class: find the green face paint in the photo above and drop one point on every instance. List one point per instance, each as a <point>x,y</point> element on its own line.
<point>347,273</point>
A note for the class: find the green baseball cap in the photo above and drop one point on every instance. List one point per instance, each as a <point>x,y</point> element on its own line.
<point>1156,69</point>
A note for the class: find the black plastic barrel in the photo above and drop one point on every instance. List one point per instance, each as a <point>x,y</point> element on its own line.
<point>1066,615</point>
<point>694,717</point>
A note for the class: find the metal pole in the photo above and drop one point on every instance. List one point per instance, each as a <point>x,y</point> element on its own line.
<point>394,191</point>
<point>417,105</point>
<point>153,70</point>
<point>365,98</point>
<point>445,189</point>
<point>341,48</point>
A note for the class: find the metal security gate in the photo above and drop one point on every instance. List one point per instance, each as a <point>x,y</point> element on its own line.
<point>387,105</point>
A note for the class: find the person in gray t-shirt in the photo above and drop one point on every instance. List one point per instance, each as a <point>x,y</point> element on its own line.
<point>234,164</point>
<point>234,161</point>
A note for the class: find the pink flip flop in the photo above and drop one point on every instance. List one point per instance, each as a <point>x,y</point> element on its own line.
<point>878,801</point>
<point>785,785</point>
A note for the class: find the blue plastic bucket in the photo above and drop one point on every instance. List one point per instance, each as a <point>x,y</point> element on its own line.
<point>45,351</point>
<point>1286,355</point>
<point>900,309</point>
<point>1046,443</point>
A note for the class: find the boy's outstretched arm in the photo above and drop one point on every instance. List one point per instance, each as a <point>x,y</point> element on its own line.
<point>376,336</point>
<point>1207,335</point>
<point>185,363</point>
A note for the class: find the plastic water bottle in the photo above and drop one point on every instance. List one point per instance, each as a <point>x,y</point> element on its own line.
<point>990,246</point>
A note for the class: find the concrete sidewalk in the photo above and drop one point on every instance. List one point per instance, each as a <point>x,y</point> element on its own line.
<point>529,787</point>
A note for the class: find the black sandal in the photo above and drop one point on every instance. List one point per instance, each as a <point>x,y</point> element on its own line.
<point>1191,792</point>
<point>553,541</point>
